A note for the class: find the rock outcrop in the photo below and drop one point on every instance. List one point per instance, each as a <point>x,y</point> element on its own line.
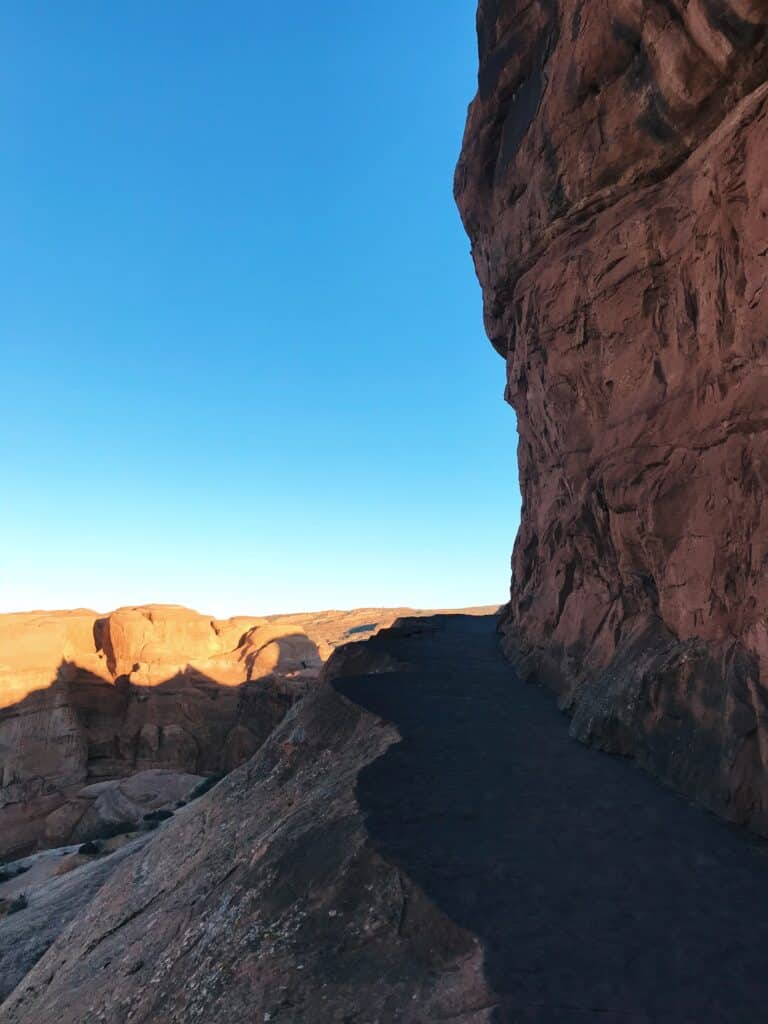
<point>418,841</point>
<point>158,690</point>
<point>613,184</point>
<point>46,896</point>
<point>265,900</point>
<point>85,699</point>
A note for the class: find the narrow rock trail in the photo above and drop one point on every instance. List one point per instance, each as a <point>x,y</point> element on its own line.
<point>597,894</point>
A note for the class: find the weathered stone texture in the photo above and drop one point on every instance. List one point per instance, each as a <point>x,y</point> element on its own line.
<point>613,183</point>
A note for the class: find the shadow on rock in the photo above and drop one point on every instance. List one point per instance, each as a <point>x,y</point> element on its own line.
<point>597,895</point>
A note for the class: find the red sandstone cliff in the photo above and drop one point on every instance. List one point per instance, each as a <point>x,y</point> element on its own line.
<point>613,183</point>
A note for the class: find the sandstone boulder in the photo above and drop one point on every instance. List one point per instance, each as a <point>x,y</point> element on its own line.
<point>118,805</point>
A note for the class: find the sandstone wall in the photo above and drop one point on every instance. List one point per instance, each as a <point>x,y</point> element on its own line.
<point>613,183</point>
<point>85,698</point>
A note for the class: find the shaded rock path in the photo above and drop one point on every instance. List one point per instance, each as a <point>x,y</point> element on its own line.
<point>598,895</point>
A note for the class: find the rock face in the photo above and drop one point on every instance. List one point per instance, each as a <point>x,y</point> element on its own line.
<point>159,690</point>
<point>56,886</point>
<point>264,900</point>
<point>417,842</point>
<point>85,699</point>
<point>612,182</point>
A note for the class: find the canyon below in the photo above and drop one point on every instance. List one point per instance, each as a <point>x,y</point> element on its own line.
<point>106,718</point>
<point>417,839</point>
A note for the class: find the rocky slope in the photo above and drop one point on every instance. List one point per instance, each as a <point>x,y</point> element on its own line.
<point>44,893</point>
<point>418,841</point>
<point>86,700</point>
<point>89,699</point>
<point>263,900</point>
<point>612,181</point>
<point>157,693</point>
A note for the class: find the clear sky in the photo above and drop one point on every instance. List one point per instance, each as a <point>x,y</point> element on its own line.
<point>243,361</point>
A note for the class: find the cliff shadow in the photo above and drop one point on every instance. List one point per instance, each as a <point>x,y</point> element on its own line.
<point>597,895</point>
<point>102,709</point>
<point>83,728</point>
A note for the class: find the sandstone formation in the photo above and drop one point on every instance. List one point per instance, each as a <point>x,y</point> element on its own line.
<point>85,699</point>
<point>265,900</point>
<point>418,841</point>
<point>120,805</point>
<point>613,184</point>
<point>88,700</point>
<point>55,886</point>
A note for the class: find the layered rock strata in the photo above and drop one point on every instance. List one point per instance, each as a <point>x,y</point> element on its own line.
<point>612,181</point>
<point>86,699</point>
<point>159,693</point>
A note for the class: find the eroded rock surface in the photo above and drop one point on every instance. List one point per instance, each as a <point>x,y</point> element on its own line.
<point>51,891</point>
<point>158,690</point>
<point>613,184</point>
<point>265,901</point>
<point>420,841</point>
<point>86,699</point>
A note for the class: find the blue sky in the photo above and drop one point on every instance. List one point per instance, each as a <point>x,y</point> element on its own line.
<point>243,359</point>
